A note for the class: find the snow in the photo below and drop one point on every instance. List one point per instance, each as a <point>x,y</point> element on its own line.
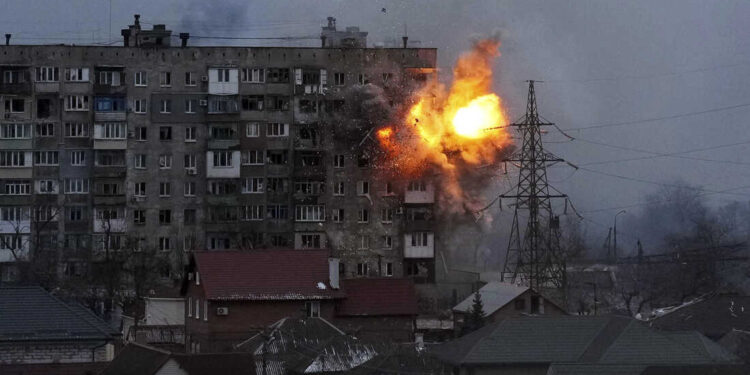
<point>321,286</point>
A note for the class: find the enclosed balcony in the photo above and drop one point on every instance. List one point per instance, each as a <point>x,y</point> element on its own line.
<point>110,108</point>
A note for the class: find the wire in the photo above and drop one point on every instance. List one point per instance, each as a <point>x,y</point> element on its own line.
<point>252,38</point>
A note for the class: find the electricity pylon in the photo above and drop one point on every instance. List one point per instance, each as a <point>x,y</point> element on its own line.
<point>534,260</point>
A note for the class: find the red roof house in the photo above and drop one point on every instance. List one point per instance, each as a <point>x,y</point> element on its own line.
<point>229,294</point>
<point>377,307</point>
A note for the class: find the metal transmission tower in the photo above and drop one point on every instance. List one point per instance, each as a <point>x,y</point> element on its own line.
<point>534,260</point>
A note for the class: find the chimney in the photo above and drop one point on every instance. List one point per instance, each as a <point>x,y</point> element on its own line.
<point>333,272</point>
<point>137,20</point>
<point>125,36</point>
<point>7,39</point>
<point>332,23</point>
<point>405,39</point>
<point>184,38</point>
<point>323,41</point>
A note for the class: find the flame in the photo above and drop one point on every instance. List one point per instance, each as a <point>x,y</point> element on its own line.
<point>451,128</point>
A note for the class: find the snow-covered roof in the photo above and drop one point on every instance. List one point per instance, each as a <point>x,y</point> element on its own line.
<point>495,295</point>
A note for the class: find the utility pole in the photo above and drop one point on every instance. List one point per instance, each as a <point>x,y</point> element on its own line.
<point>615,236</point>
<point>535,260</point>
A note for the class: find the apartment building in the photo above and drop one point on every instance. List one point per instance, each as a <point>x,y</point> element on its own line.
<point>180,148</point>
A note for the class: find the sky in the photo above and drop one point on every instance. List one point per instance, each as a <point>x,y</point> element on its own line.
<point>637,84</point>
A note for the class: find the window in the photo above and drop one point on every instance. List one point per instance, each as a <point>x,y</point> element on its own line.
<point>189,216</point>
<point>13,159</point>
<point>222,159</point>
<point>364,242</point>
<point>419,239</point>
<point>47,187</point>
<point>362,269</point>
<point>15,213</point>
<point>109,78</point>
<point>339,188</point>
<point>190,306</point>
<point>253,75</point>
<point>251,213</point>
<point>165,189</point>
<point>166,106</point>
<point>76,186</point>
<point>274,129</point>
<point>337,214</point>
<point>77,74</point>
<point>310,212</point>
<point>252,103</point>
<point>223,75</point>
<point>252,130</point>
<point>76,103</point>
<point>139,105</point>
<point>78,158</point>
<point>363,188</point>
<point>362,79</point>
<point>252,157</point>
<point>222,132</point>
<point>278,212</point>
<point>165,79</point>
<point>310,241</point>
<point>309,187</point>
<point>15,105</point>
<point>205,310</point>
<point>221,187</point>
<point>165,133</point>
<point>222,105</point>
<point>277,103</point>
<point>277,75</point>
<point>389,188</point>
<point>139,217</point>
<point>109,104</point>
<point>107,188</point>
<point>338,161</point>
<point>387,242</point>
<point>339,79</point>
<point>189,189</point>
<point>141,133</point>
<point>76,130</point>
<point>115,130</point>
<point>276,157</point>
<point>418,185</point>
<point>190,105</point>
<point>252,185</point>
<point>389,269</point>
<point>165,161</point>
<point>277,185</point>
<point>45,158</point>
<point>17,187</point>
<point>15,131</point>
<point>197,313</point>
<point>139,161</point>
<point>190,161</point>
<point>165,217</point>
<point>141,78</point>
<point>14,76</point>
<point>363,160</point>
<point>312,309</point>
<point>46,129</point>
<point>43,108</point>
<point>363,215</point>
<point>47,74</point>
<point>386,215</point>
<point>140,189</point>
<point>190,79</point>
<point>165,244</point>
<point>190,134</point>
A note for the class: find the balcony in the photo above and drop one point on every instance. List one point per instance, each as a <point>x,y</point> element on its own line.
<point>110,144</point>
<point>21,88</point>
<point>419,193</point>
<point>110,116</point>
<point>47,87</point>
<point>223,144</point>
<point>109,108</point>
<point>420,245</point>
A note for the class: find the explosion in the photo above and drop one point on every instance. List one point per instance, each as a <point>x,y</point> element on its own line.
<point>455,130</point>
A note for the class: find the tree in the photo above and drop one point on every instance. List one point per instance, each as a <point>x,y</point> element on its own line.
<point>476,315</point>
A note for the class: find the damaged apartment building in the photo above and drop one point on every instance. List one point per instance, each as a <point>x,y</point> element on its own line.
<point>178,148</point>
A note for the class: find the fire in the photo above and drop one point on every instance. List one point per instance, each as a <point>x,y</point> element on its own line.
<point>453,129</point>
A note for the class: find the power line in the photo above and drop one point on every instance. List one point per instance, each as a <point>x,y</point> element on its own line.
<point>657,119</point>
<point>252,38</point>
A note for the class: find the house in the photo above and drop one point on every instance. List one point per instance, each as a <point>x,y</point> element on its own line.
<point>231,293</point>
<point>378,308</point>
<point>714,316</point>
<point>504,300</point>
<point>575,345</point>
<point>41,334</point>
<point>137,359</point>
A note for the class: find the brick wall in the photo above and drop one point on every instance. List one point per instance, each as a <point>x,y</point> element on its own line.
<point>53,352</point>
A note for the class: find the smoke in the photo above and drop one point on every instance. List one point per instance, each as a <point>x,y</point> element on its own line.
<point>204,18</point>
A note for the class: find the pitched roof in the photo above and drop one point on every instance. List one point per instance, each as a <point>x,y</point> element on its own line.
<point>495,295</point>
<point>265,275</point>
<point>738,343</point>
<point>716,369</point>
<point>137,359</point>
<point>713,316</point>
<point>32,314</point>
<point>577,339</point>
<point>378,297</point>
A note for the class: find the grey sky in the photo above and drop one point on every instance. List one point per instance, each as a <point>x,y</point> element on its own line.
<point>603,62</point>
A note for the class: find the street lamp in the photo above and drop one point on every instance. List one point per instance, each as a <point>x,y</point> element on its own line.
<point>615,237</point>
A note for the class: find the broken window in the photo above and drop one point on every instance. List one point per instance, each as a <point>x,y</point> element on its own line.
<point>165,133</point>
<point>43,108</point>
<point>308,106</point>
<point>165,217</point>
<point>253,103</point>
<point>278,185</point>
<point>310,241</point>
<point>337,215</point>
<point>276,157</point>
<point>15,105</point>
<point>277,75</point>
<point>277,103</point>
<point>363,160</point>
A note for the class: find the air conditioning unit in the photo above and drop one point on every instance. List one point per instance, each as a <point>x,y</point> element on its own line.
<point>222,311</point>
<point>191,171</point>
<point>204,78</point>
<point>203,102</point>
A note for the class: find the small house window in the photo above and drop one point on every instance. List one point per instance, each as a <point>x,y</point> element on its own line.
<point>312,309</point>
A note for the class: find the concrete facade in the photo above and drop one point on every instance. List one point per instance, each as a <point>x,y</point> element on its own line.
<point>185,148</point>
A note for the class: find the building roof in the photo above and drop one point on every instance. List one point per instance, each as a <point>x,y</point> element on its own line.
<point>738,343</point>
<point>494,294</point>
<point>265,275</point>
<point>378,297</point>
<point>137,359</point>
<point>32,314</point>
<point>714,316</point>
<point>577,339</point>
